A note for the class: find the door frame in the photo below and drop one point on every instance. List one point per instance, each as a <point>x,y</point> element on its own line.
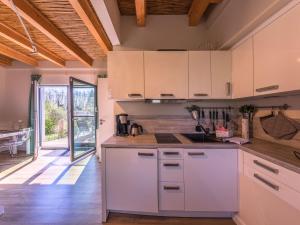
<point>71,132</point>
<point>40,111</point>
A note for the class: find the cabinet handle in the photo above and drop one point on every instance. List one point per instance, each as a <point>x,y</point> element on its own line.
<point>166,95</point>
<point>266,182</point>
<point>171,188</point>
<point>171,164</point>
<point>171,153</point>
<point>200,95</point>
<point>145,154</point>
<point>276,171</point>
<point>268,88</point>
<point>228,88</point>
<point>134,95</point>
<point>196,153</point>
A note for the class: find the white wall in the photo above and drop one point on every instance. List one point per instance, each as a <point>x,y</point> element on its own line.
<point>18,79</point>
<point>160,32</point>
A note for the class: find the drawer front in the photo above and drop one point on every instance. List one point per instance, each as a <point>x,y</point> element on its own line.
<point>170,153</point>
<point>171,170</point>
<point>171,196</point>
<point>279,189</point>
<point>283,175</point>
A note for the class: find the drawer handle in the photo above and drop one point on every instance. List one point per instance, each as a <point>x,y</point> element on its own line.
<point>266,182</point>
<point>166,95</point>
<point>171,188</point>
<point>171,164</point>
<point>276,171</point>
<point>196,153</point>
<point>200,95</point>
<point>145,154</point>
<point>268,88</point>
<point>134,95</point>
<point>171,153</point>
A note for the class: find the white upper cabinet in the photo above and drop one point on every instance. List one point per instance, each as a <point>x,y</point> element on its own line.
<point>242,70</point>
<point>126,74</point>
<point>277,55</point>
<point>221,74</point>
<point>199,75</point>
<point>166,74</point>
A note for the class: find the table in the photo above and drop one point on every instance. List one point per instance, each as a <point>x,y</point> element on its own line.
<point>12,134</point>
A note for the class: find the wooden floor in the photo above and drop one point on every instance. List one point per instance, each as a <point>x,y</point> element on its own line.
<point>51,191</point>
<point>6,161</point>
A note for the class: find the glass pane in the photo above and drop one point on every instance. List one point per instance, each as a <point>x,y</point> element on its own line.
<point>84,118</point>
<point>83,99</point>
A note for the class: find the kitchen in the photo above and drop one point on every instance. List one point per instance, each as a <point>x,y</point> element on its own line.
<point>198,108</point>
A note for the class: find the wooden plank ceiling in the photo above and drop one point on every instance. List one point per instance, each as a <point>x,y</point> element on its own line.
<point>67,24</point>
<point>195,9</point>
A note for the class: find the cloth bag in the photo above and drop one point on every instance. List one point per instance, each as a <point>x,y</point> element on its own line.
<point>279,126</point>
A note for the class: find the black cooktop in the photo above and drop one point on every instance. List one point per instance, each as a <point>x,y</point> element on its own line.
<point>164,138</point>
<point>201,138</point>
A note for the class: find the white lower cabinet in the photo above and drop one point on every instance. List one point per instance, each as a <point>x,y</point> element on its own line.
<point>131,179</point>
<point>180,180</point>
<point>210,177</point>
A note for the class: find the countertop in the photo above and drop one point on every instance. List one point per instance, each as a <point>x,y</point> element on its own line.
<point>279,154</point>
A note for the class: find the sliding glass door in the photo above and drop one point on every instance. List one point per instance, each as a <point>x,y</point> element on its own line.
<point>83,118</point>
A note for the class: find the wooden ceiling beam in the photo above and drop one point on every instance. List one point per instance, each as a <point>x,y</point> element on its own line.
<point>197,10</point>
<point>12,35</point>
<point>89,17</point>
<point>34,16</point>
<point>140,10</point>
<point>11,53</point>
<point>4,61</point>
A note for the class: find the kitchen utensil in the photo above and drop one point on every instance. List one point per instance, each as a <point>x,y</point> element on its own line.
<point>227,119</point>
<point>214,118</point>
<point>136,129</point>
<point>223,118</point>
<point>122,124</point>
<point>195,114</point>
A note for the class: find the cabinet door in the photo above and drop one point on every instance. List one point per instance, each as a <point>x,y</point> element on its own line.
<point>126,74</point>
<point>131,179</point>
<point>260,206</point>
<point>277,55</point>
<point>199,75</point>
<point>242,70</point>
<point>210,178</point>
<point>221,74</point>
<point>166,75</point>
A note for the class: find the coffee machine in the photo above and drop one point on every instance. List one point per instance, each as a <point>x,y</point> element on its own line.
<point>122,123</point>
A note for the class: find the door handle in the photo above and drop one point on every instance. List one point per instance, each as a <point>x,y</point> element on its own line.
<point>134,95</point>
<point>200,95</point>
<point>268,88</point>
<point>101,121</point>
<point>166,95</point>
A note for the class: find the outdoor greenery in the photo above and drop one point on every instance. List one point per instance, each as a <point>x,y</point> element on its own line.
<point>55,121</point>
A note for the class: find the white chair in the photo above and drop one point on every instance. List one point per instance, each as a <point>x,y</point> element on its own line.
<point>12,143</point>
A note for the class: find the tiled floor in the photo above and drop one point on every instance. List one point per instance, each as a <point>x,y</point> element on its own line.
<point>51,191</point>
